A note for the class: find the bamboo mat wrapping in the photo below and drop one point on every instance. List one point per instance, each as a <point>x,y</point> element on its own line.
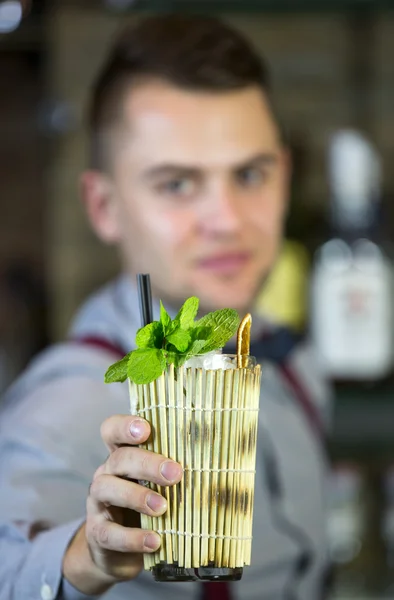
<point>207,421</point>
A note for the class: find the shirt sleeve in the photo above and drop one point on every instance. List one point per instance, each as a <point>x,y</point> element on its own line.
<point>68,592</point>
<point>32,569</point>
<point>50,447</point>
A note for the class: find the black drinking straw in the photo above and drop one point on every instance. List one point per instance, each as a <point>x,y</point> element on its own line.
<point>145,299</point>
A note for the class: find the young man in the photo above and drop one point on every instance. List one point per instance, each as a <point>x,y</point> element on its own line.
<point>189,178</point>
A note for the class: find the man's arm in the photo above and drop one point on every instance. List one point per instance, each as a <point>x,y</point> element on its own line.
<point>50,446</point>
<point>53,470</point>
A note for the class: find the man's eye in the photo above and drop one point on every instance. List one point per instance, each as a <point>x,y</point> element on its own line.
<point>177,187</point>
<point>251,177</point>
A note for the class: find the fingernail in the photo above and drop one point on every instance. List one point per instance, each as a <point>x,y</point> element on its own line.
<point>170,470</point>
<point>137,428</point>
<point>152,541</point>
<point>156,503</point>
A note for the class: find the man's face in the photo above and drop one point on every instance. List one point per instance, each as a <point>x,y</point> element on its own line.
<point>199,182</point>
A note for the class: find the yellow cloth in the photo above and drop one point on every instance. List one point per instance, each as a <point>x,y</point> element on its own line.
<point>284,296</point>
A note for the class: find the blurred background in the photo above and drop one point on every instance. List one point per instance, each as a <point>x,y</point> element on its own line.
<point>333,73</point>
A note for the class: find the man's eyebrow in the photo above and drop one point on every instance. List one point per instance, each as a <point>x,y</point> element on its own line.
<point>170,169</point>
<point>165,169</point>
<point>264,159</point>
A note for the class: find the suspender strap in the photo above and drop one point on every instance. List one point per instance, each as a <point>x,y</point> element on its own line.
<point>216,590</point>
<point>104,344</point>
<point>304,400</point>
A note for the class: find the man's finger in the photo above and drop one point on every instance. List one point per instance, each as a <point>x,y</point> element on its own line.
<point>113,491</point>
<point>112,536</point>
<point>137,463</point>
<point>119,430</point>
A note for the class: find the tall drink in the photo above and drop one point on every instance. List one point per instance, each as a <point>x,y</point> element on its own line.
<point>203,409</point>
<point>205,419</point>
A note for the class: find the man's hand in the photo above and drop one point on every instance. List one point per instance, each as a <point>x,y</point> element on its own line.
<point>109,546</point>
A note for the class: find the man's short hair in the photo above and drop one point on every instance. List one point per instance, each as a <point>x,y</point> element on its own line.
<point>194,53</point>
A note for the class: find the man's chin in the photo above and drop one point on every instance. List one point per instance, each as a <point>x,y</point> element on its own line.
<point>241,302</point>
<point>238,292</point>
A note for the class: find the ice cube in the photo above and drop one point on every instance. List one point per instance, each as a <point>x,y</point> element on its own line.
<point>210,361</point>
<point>218,361</point>
<point>196,362</point>
<point>200,362</point>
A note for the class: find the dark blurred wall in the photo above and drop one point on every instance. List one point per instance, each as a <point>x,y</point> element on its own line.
<point>22,205</point>
<point>21,160</point>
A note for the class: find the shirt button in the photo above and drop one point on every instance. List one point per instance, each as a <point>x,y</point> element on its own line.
<point>47,592</point>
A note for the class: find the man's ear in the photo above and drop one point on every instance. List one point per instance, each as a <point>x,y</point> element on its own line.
<point>98,196</point>
<point>287,170</point>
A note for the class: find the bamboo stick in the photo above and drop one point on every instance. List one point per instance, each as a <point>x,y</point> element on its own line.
<point>255,399</point>
<point>146,522</point>
<point>189,505</point>
<point>248,477</point>
<point>238,466</point>
<point>229,523</point>
<point>249,466</point>
<point>155,399</point>
<point>172,508</point>
<point>235,465</point>
<point>163,400</point>
<point>196,465</point>
<point>181,458</point>
<point>137,403</point>
<point>224,493</point>
<point>215,462</point>
<point>206,477</point>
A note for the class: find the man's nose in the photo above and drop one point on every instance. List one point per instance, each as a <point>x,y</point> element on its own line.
<point>223,213</point>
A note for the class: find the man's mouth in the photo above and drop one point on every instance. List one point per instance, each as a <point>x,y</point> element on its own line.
<point>226,263</point>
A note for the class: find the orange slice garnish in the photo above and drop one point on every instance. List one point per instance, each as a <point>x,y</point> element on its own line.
<point>243,341</point>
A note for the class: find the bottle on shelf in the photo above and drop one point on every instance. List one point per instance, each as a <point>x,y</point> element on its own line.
<point>352,318</point>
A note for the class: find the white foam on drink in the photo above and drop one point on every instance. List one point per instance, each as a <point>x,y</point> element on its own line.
<point>210,361</point>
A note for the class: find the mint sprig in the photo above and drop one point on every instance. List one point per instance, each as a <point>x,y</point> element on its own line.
<point>146,365</point>
<point>150,336</point>
<point>174,341</point>
<point>118,372</point>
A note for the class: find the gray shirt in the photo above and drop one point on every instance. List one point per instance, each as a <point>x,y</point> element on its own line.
<point>50,446</point>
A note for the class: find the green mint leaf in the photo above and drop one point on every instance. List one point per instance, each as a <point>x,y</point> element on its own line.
<point>182,358</point>
<point>180,339</point>
<point>171,357</point>
<point>165,318</point>
<point>197,347</point>
<point>187,314</point>
<point>176,359</point>
<point>222,325</point>
<point>199,333</point>
<point>146,365</point>
<point>150,336</point>
<point>117,373</point>
<point>171,349</point>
